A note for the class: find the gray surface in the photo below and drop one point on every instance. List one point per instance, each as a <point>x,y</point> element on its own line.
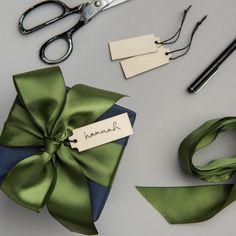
<point>166,113</point>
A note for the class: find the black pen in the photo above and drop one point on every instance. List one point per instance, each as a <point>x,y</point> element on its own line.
<point>211,70</point>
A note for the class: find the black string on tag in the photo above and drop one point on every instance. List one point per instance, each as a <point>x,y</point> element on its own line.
<point>176,36</point>
<point>187,48</point>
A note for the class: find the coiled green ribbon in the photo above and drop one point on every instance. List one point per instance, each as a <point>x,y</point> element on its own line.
<point>57,175</point>
<point>194,204</point>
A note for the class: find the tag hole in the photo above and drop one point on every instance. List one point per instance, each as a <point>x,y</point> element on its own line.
<point>156,42</point>
<point>74,141</point>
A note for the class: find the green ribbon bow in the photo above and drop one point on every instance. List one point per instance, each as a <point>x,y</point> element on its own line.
<point>57,175</point>
<point>194,204</point>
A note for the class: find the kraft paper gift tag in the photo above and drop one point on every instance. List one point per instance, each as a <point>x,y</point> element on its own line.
<point>140,64</point>
<point>101,132</point>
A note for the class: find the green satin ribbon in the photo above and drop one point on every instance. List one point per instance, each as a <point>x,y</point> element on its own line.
<point>180,205</point>
<point>57,175</point>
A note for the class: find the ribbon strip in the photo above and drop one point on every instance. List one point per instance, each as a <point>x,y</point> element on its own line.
<point>180,205</point>
<point>57,175</point>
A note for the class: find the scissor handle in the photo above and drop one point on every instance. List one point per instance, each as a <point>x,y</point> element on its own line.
<point>67,37</point>
<point>65,12</point>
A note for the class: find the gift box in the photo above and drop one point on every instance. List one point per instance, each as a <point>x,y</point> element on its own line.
<point>38,167</point>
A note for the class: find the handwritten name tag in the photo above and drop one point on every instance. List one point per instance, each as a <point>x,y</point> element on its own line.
<point>101,132</point>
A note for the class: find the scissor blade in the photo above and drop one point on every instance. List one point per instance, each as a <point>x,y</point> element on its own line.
<point>115,3</point>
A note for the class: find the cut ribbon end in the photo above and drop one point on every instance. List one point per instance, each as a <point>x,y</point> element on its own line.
<point>183,205</point>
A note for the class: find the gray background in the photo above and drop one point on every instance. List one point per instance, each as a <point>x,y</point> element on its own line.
<point>166,113</point>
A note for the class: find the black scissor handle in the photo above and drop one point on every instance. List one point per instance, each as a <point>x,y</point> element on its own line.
<point>65,12</point>
<point>67,37</point>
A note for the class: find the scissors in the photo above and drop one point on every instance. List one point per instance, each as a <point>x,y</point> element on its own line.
<point>87,11</point>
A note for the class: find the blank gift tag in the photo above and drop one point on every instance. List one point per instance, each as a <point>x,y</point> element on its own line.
<point>133,47</point>
<point>101,132</point>
<point>140,64</point>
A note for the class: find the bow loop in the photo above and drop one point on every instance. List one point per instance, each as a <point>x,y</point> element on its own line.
<point>42,94</point>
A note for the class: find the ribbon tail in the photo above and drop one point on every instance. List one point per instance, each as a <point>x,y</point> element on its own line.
<point>30,181</point>
<point>70,202</point>
<point>181,205</point>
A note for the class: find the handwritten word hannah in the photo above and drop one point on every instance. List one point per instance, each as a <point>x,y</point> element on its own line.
<point>104,131</point>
